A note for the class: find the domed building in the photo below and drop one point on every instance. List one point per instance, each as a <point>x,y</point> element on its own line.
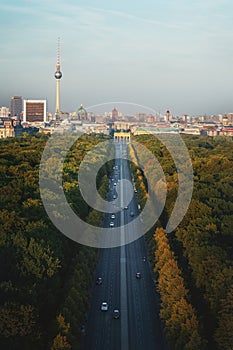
<point>82,113</point>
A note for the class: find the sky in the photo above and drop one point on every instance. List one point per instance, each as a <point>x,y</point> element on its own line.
<point>162,54</point>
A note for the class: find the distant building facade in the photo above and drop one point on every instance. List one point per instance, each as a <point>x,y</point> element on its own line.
<point>6,128</point>
<point>16,106</point>
<point>150,118</point>
<point>34,111</point>
<point>230,118</point>
<point>121,125</point>
<point>4,112</point>
<point>121,136</point>
<point>226,131</point>
<point>141,117</point>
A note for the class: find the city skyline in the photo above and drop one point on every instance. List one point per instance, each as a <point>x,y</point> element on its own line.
<point>166,55</point>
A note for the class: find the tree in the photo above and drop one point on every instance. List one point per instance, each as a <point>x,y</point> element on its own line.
<point>182,327</point>
<point>224,331</point>
<point>181,324</point>
<point>60,342</point>
<point>16,320</point>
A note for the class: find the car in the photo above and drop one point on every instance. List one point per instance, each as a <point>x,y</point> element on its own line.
<point>138,275</point>
<point>83,329</point>
<point>111,224</point>
<point>99,280</point>
<point>114,196</point>
<point>126,207</point>
<point>116,313</point>
<point>132,213</point>
<point>135,191</point>
<point>104,306</point>
<point>114,184</point>
<point>113,216</point>
<point>144,258</point>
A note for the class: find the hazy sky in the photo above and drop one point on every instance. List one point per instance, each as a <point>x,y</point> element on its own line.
<point>175,54</point>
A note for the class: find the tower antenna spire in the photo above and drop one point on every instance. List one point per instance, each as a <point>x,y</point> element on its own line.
<point>58,51</point>
<point>58,75</point>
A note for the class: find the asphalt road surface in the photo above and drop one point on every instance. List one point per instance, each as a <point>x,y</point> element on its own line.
<point>138,326</point>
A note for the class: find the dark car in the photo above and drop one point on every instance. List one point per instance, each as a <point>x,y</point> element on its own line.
<point>116,313</point>
<point>99,280</point>
<point>138,275</point>
<point>83,329</point>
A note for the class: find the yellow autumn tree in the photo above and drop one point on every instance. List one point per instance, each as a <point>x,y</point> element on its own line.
<point>60,342</point>
<point>181,324</point>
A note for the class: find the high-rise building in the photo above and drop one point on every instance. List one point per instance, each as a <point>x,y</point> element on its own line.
<point>167,116</point>
<point>34,111</point>
<point>114,114</point>
<point>16,106</point>
<point>58,76</point>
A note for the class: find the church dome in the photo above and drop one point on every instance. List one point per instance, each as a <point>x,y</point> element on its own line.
<point>81,110</point>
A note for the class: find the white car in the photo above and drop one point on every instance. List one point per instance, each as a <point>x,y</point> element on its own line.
<point>104,306</point>
<point>113,216</point>
<point>111,224</point>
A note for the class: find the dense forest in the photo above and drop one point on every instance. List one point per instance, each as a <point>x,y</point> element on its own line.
<point>193,265</point>
<point>45,278</point>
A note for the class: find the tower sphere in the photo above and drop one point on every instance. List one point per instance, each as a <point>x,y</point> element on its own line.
<point>58,75</point>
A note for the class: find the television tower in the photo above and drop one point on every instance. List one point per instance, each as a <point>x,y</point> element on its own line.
<point>58,76</point>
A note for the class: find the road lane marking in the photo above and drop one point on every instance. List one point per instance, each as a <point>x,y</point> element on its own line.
<point>123,284</point>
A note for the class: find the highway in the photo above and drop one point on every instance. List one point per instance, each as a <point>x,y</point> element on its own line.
<point>138,326</point>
